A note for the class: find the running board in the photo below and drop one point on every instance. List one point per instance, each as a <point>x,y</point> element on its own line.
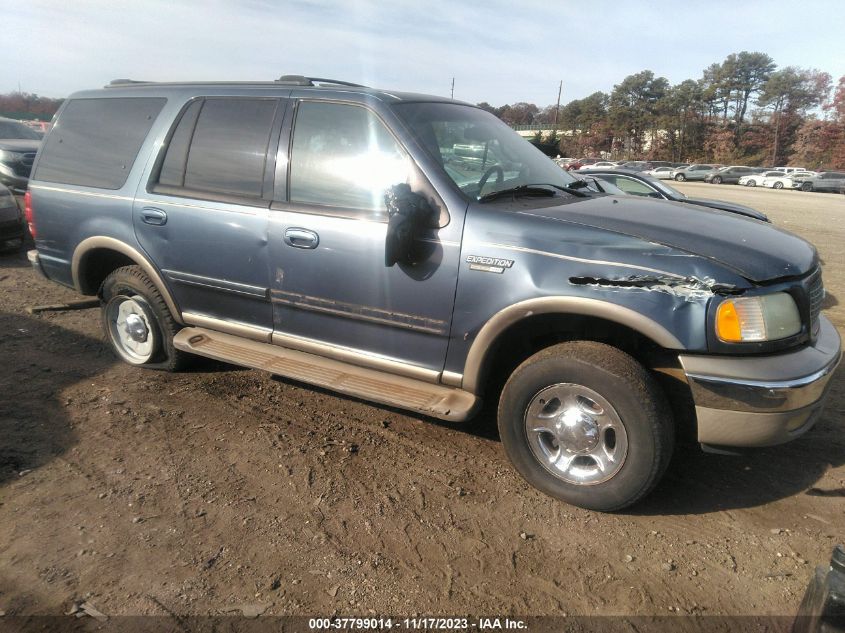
<point>439,401</point>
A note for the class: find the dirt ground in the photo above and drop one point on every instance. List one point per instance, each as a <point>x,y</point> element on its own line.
<point>220,489</point>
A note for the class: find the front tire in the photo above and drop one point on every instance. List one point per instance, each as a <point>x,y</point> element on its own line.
<point>680,177</point>
<point>751,183</point>
<point>777,185</point>
<point>807,186</point>
<point>717,180</point>
<point>137,321</point>
<point>586,423</point>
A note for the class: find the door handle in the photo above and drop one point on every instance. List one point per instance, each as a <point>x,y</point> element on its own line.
<point>301,238</point>
<point>151,215</point>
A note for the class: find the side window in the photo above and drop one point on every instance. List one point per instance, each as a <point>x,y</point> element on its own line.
<point>220,146</point>
<point>343,156</point>
<point>95,141</point>
<point>635,187</point>
<point>173,168</point>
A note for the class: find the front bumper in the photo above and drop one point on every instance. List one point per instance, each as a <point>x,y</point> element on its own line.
<point>11,230</point>
<point>762,401</point>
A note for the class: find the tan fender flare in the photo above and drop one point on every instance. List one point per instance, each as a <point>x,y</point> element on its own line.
<point>110,243</point>
<point>502,320</point>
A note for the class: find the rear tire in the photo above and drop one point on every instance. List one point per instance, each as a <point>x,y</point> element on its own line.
<point>587,424</point>
<point>137,321</point>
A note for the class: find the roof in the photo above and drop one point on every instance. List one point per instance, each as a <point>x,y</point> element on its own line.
<point>282,86</point>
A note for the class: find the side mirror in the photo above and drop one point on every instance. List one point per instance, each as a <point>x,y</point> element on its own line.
<point>408,215</point>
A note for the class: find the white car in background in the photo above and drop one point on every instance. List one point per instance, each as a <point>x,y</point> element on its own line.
<point>752,180</point>
<point>664,173</point>
<point>783,181</point>
<point>604,164</point>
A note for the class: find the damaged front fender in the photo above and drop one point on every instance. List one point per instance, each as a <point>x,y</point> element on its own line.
<point>688,288</point>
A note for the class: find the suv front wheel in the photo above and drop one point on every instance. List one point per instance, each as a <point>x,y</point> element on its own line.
<point>586,423</point>
<point>137,321</point>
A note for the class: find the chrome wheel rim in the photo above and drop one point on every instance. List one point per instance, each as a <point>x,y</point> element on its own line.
<point>575,434</point>
<point>131,329</point>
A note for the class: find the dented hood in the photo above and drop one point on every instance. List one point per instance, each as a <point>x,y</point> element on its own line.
<point>756,250</point>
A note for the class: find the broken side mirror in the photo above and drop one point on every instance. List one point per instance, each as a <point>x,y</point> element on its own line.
<point>408,215</point>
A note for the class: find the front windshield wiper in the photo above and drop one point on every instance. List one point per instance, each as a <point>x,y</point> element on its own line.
<point>530,190</point>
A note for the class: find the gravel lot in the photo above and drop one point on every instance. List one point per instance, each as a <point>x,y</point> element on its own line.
<point>222,490</point>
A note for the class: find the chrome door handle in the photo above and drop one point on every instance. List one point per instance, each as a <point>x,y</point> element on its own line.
<point>151,215</point>
<point>301,238</point>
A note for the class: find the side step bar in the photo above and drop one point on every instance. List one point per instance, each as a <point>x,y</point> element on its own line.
<point>437,401</point>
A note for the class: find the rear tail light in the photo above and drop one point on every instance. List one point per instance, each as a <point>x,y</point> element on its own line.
<point>28,215</point>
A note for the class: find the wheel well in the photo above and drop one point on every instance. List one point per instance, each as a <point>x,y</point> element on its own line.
<point>528,336</point>
<point>98,264</point>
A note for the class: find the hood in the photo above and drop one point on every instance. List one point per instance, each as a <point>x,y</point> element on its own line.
<point>756,250</point>
<point>728,206</point>
<point>19,144</point>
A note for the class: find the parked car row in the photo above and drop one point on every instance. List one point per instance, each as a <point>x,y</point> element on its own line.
<point>790,177</point>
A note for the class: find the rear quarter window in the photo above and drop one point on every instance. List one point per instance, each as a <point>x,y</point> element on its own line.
<point>95,142</point>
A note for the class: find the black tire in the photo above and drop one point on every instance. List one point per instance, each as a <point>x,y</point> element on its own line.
<point>717,180</point>
<point>777,185</point>
<point>131,282</point>
<point>632,393</point>
<point>806,186</point>
<point>751,183</point>
<point>680,177</point>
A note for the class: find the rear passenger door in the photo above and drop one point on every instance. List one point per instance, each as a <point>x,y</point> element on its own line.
<point>202,214</point>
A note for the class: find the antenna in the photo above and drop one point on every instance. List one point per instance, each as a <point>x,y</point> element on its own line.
<point>557,107</point>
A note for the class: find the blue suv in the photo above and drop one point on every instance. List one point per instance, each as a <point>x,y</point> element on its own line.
<point>416,252</point>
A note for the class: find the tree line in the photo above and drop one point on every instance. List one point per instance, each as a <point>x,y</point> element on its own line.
<point>744,110</point>
<point>25,106</point>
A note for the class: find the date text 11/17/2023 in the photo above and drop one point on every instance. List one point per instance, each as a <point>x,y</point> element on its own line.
<point>417,624</point>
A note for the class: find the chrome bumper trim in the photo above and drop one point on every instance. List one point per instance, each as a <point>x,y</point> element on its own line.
<point>785,382</point>
<point>762,401</point>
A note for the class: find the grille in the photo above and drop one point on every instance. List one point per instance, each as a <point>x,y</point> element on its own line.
<point>28,159</point>
<point>815,292</point>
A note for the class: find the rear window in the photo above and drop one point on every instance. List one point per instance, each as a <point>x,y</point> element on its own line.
<point>95,141</point>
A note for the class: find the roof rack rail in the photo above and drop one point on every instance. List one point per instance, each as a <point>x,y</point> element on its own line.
<point>125,82</point>
<point>300,80</point>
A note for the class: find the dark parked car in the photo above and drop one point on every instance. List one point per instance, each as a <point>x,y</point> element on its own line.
<point>315,230</point>
<point>638,165</point>
<point>11,220</point>
<point>696,172</point>
<point>731,175</point>
<point>829,181</point>
<point>640,184</point>
<point>18,145</point>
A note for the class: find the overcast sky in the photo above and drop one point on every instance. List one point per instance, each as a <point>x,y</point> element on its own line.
<point>498,51</point>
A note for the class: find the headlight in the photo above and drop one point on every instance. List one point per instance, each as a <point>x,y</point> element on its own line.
<point>10,157</point>
<point>751,319</point>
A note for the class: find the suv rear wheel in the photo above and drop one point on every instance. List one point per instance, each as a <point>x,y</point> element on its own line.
<point>137,322</point>
<point>586,423</point>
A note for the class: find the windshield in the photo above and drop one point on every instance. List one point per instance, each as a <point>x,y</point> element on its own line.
<point>13,129</point>
<point>668,190</point>
<point>477,151</point>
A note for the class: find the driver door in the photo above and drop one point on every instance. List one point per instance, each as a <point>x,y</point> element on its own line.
<point>331,290</point>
